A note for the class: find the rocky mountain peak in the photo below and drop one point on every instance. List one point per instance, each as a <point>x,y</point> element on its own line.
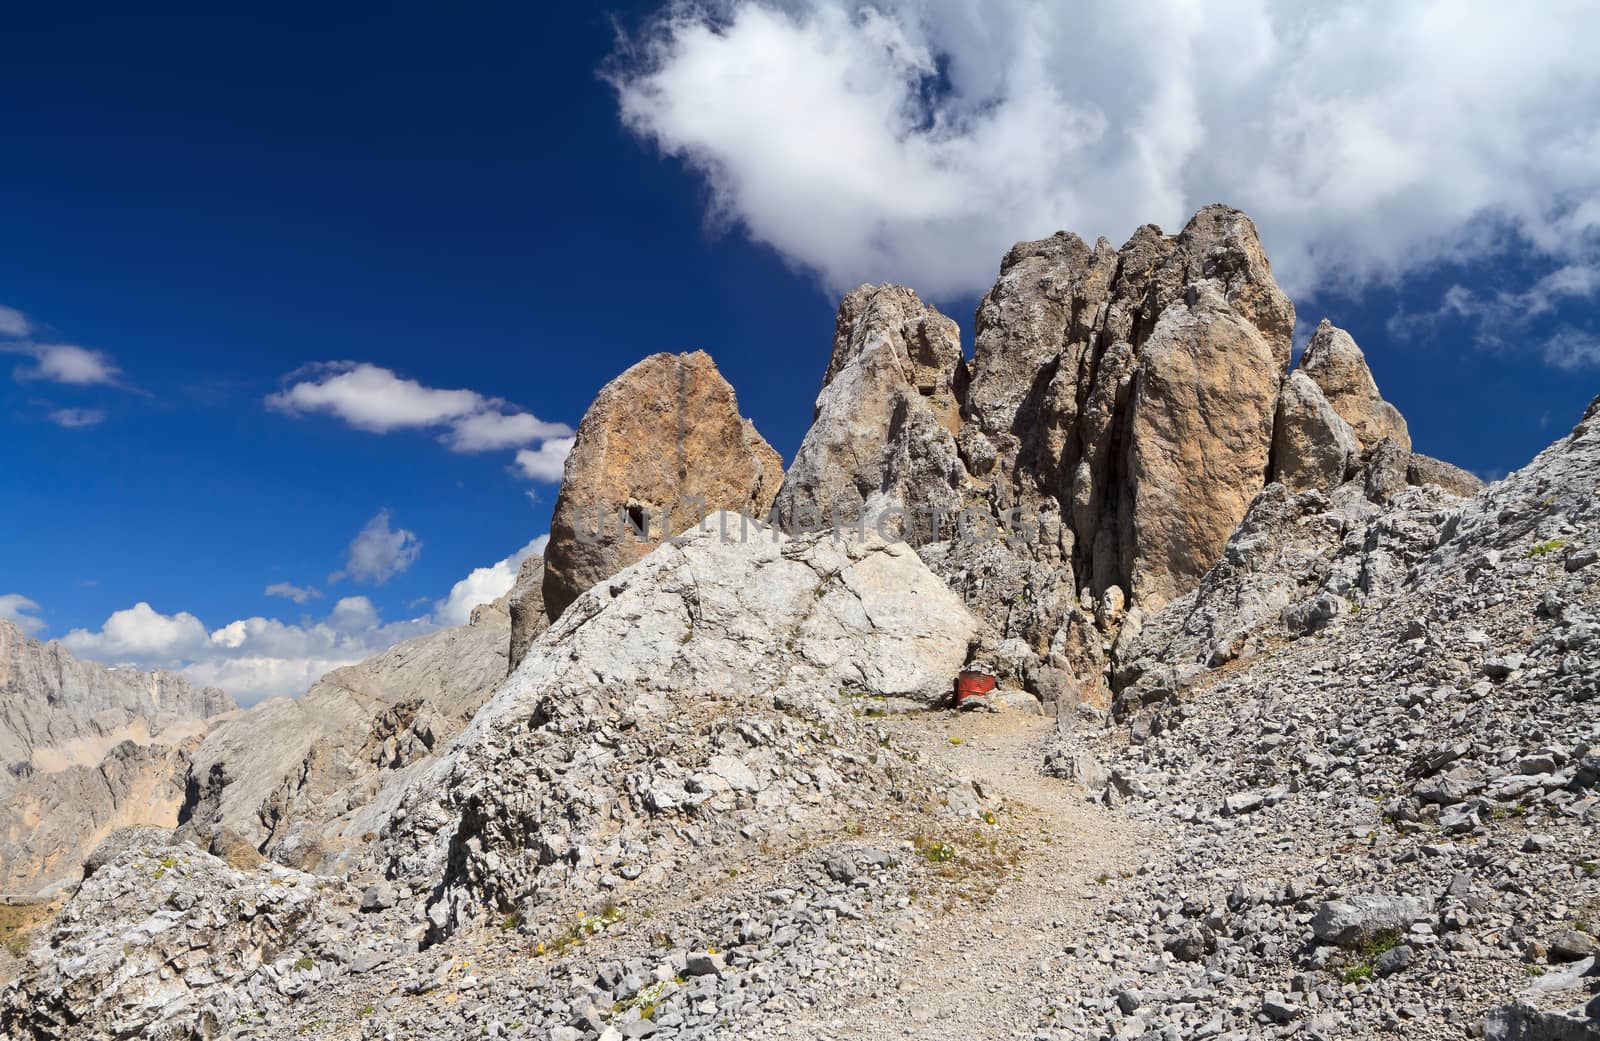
<point>1339,368</point>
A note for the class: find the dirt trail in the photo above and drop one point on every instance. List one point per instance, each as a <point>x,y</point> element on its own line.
<point>988,973</point>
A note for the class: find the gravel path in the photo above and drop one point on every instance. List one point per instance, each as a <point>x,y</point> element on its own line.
<point>991,973</point>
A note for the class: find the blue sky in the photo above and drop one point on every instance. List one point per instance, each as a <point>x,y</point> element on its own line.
<point>278,239</point>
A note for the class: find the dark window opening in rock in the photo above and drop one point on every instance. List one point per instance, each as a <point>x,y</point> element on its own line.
<point>639,521</point>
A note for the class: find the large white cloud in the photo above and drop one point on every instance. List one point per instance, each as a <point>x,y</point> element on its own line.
<point>380,401</point>
<point>256,657</point>
<point>916,140</point>
<point>484,585</point>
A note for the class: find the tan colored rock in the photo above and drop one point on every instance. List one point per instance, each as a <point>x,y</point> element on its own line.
<point>1199,439</point>
<point>1074,343</point>
<point>1120,401</point>
<point>881,434</point>
<point>1339,367</point>
<point>664,442</point>
<point>1312,445</point>
<point>525,603</point>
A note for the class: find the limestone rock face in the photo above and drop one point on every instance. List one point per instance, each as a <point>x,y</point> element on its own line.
<point>86,750</point>
<point>1199,437</point>
<point>308,780</point>
<point>1097,372</point>
<point>525,604</point>
<point>1114,424</point>
<point>1312,445</point>
<point>56,710</point>
<point>665,443</point>
<point>1339,367</point>
<point>1117,418</point>
<point>49,821</point>
<point>705,629</point>
<point>882,431</point>
<point>168,942</point>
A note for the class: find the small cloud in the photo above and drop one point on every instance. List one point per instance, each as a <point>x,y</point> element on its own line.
<point>488,431</point>
<point>65,363</point>
<point>1572,349</point>
<point>547,461</point>
<point>16,608</point>
<point>13,323</point>
<point>290,591</point>
<point>379,553</point>
<point>77,418</point>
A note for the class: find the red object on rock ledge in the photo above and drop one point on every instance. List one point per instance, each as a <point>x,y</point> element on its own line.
<point>973,684</point>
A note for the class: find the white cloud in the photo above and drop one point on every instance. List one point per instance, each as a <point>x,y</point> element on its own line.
<point>1573,349</point>
<point>64,363</point>
<point>140,632</point>
<point>915,142</point>
<point>76,418</point>
<point>14,607</point>
<point>256,657</point>
<point>378,552</point>
<point>488,431</point>
<point>546,462</point>
<point>380,401</point>
<point>484,584</point>
<point>56,362</point>
<point>372,399</point>
<point>13,323</point>
<point>290,591</point>
<point>1504,319</point>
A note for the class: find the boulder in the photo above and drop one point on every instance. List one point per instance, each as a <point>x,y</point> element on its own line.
<point>1453,479</point>
<point>1312,445</point>
<point>1339,367</point>
<point>882,434</point>
<point>1364,919</point>
<point>1385,473</point>
<point>662,445</point>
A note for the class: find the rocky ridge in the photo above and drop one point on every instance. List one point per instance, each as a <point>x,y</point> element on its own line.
<point>87,749</point>
<point>309,781</point>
